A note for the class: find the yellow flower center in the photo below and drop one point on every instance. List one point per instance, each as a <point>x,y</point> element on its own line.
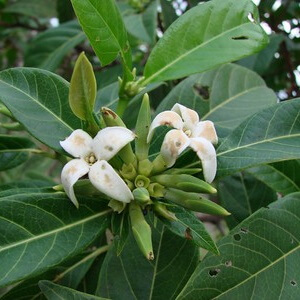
<point>91,158</point>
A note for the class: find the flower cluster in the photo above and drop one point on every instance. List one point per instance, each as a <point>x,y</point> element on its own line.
<point>137,181</point>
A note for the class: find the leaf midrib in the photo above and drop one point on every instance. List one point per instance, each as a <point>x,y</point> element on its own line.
<point>38,103</point>
<point>149,79</point>
<point>260,142</point>
<point>55,231</point>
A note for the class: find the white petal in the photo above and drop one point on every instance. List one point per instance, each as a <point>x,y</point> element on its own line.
<point>106,180</point>
<point>168,118</point>
<point>110,140</point>
<point>78,144</point>
<point>175,142</point>
<point>189,116</point>
<point>207,154</point>
<point>206,129</point>
<point>71,172</point>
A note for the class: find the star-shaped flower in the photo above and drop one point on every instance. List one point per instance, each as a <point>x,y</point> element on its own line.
<point>189,132</point>
<point>91,156</point>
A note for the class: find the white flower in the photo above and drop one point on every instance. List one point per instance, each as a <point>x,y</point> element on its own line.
<point>91,157</point>
<point>189,132</point>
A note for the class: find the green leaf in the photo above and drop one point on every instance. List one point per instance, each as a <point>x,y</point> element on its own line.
<point>242,195</point>
<point>143,25</point>
<point>39,100</point>
<point>226,95</point>
<point>268,136</point>
<point>283,177</point>
<point>63,231</point>
<point>32,8</point>
<point>54,291</point>
<point>205,37</point>
<point>103,24</point>
<point>14,150</point>
<point>261,61</point>
<point>190,227</point>
<point>131,276</point>
<point>257,259</point>
<point>83,89</point>
<point>47,49</point>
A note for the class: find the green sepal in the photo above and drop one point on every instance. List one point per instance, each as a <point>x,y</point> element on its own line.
<point>145,167</point>
<point>162,211</point>
<point>130,184</point>
<point>142,129</point>
<point>141,195</point>
<point>117,206</point>
<point>187,171</point>
<point>141,230</point>
<point>184,182</point>
<point>195,202</point>
<point>112,119</point>
<point>159,165</point>
<point>83,90</point>
<point>156,190</point>
<point>142,181</point>
<point>128,172</point>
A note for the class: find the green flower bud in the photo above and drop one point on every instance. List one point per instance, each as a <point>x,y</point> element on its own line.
<point>117,206</point>
<point>142,181</point>
<point>141,195</point>
<point>187,171</point>
<point>141,230</point>
<point>16,126</point>
<point>112,119</point>
<point>142,129</point>
<point>162,211</point>
<point>128,171</point>
<point>130,184</point>
<point>145,167</point>
<point>195,202</point>
<point>156,190</point>
<point>5,111</point>
<point>184,182</point>
<point>159,165</point>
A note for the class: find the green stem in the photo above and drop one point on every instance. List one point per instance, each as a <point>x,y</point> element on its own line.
<point>122,104</point>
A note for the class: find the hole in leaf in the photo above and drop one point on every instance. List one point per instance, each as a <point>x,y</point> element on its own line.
<point>237,237</point>
<point>293,282</point>
<point>202,90</point>
<point>251,18</point>
<point>239,38</point>
<point>214,272</point>
<point>228,263</point>
<point>244,230</point>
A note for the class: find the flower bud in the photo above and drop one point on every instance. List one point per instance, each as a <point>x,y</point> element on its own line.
<point>195,202</point>
<point>141,230</point>
<point>162,211</point>
<point>141,195</point>
<point>128,172</point>
<point>117,206</point>
<point>184,182</point>
<point>145,167</point>
<point>187,171</point>
<point>142,129</point>
<point>112,119</point>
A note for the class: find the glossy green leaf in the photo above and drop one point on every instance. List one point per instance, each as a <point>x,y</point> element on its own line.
<point>205,37</point>
<point>283,177</point>
<point>226,95</point>
<point>190,227</point>
<point>103,24</point>
<point>32,8</point>
<point>14,150</point>
<point>47,49</point>
<point>242,195</point>
<point>268,136</point>
<point>261,61</point>
<point>54,291</point>
<point>83,89</point>
<point>258,259</point>
<point>131,276</point>
<point>39,100</point>
<point>27,249</point>
<point>143,25</point>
